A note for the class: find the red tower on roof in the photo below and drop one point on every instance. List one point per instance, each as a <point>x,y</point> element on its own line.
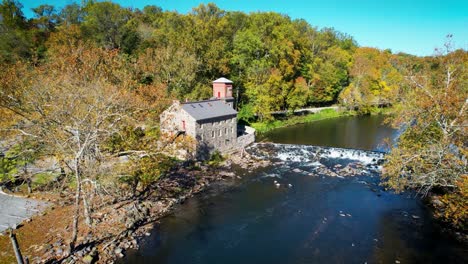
<point>222,90</point>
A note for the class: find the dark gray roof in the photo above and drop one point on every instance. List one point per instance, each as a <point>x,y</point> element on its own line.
<point>208,109</point>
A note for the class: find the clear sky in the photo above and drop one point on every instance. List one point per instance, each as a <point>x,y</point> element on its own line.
<point>411,26</point>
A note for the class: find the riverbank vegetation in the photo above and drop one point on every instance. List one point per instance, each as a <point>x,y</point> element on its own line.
<point>82,89</point>
<point>431,155</point>
<point>262,127</point>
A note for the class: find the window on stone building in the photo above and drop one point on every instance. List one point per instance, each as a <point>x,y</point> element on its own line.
<point>212,133</point>
<point>225,131</point>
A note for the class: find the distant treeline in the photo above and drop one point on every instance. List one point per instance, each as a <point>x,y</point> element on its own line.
<point>276,63</point>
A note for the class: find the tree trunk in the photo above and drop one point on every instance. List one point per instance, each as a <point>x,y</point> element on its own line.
<point>88,219</point>
<point>14,243</point>
<point>63,174</point>
<point>77,206</point>
<point>28,181</point>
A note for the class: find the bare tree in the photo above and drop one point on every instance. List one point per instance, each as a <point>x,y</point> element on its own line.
<point>71,105</point>
<point>432,150</point>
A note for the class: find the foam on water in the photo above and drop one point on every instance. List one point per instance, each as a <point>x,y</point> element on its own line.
<point>287,156</point>
<point>272,175</point>
<point>312,154</point>
<point>364,157</point>
<point>314,164</point>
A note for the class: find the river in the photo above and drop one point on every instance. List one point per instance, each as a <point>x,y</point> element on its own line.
<point>346,132</point>
<point>311,217</point>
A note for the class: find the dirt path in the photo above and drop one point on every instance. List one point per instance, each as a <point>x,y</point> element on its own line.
<point>309,110</point>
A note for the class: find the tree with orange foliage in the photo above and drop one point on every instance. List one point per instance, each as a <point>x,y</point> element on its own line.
<point>432,151</point>
<point>71,105</point>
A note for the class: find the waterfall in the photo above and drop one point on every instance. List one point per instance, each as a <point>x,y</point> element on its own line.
<point>323,159</point>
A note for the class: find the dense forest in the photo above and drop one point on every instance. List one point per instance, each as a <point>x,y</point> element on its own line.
<point>276,63</point>
<point>82,82</point>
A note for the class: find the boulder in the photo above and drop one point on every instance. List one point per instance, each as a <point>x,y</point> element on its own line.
<point>118,250</point>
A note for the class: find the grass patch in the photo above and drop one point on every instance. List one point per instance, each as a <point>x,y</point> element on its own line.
<point>43,178</point>
<point>384,111</point>
<point>263,127</point>
<point>215,159</point>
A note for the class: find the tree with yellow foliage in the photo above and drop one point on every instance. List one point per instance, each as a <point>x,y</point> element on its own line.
<point>375,81</point>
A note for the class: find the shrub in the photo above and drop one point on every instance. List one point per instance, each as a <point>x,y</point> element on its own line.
<point>246,113</point>
<point>455,209</point>
<point>216,158</point>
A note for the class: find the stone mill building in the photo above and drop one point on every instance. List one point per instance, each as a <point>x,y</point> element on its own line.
<point>212,123</point>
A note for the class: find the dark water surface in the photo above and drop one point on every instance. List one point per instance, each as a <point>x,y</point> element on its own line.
<point>366,132</point>
<point>320,219</point>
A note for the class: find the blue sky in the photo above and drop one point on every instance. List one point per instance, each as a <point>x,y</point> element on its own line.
<point>411,26</point>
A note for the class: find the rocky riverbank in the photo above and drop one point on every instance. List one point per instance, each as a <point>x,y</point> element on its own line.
<point>119,225</point>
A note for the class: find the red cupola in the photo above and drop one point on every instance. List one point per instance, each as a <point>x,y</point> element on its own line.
<point>222,90</point>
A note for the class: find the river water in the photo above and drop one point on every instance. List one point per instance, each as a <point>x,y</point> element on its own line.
<point>311,217</point>
<point>367,132</point>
